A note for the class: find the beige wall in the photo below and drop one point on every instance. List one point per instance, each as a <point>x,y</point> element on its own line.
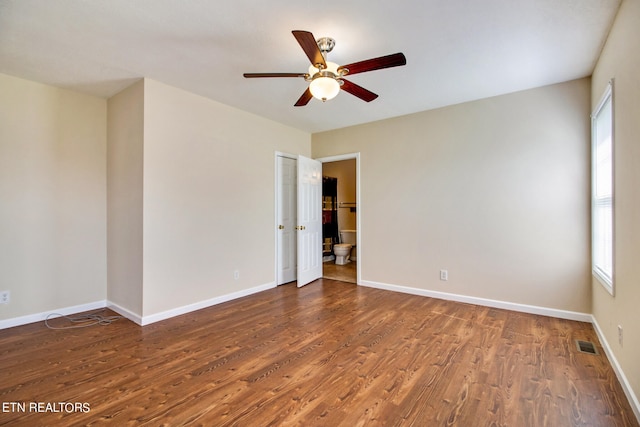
<point>52,197</point>
<point>125,155</point>
<point>209,197</point>
<point>190,185</point>
<point>495,191</point>
<point>620,60</point>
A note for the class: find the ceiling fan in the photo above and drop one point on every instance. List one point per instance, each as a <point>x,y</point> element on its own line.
<point>327,78</point>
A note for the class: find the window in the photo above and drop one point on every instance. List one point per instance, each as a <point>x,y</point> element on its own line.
<point>602,189</point>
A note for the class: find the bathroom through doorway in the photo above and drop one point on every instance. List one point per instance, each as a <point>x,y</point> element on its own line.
<point>341,218</point>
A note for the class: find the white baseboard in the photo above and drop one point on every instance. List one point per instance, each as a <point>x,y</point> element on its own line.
<point>624,382</point>
<point>532,309</point>
<point>203,304</point>
<point>134,317</point>
<point>39,317</point>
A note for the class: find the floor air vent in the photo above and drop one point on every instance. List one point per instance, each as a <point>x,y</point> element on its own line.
<point>586,347</point>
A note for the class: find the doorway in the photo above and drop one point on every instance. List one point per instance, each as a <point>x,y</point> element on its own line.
<point>298,203</point>
<point>341,217</point>
<point>287,246</point>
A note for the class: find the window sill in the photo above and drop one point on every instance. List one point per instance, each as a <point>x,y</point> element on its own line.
<point>604,281</point>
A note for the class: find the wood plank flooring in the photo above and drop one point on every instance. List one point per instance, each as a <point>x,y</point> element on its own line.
<point>328,354</point>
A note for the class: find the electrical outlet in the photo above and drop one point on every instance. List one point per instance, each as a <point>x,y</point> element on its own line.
<point>5,297</point>
<point>236,274</point>
<point>444,275</point>
<point>620,335</point>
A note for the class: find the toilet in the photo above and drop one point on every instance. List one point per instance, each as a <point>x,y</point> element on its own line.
<point>343,249</point>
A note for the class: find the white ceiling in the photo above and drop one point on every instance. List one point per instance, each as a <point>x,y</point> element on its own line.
<point>457,50</point>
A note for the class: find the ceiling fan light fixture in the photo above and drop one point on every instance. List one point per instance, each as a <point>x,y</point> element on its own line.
<point>324,85</point>
<point>324,88</point>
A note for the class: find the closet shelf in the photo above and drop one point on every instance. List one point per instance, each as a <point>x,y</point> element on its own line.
<point>347,204</point>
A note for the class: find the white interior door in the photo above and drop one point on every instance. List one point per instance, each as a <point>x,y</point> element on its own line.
<point>286,207</point>
<point>309,220</point>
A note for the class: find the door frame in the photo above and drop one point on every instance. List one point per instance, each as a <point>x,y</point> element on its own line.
<point>327,159</point>
<point>350,156</point>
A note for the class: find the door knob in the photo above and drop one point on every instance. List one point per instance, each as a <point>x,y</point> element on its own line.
<point>281,227</point>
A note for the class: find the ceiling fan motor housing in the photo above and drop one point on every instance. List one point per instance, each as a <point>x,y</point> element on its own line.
<point>326,45</point>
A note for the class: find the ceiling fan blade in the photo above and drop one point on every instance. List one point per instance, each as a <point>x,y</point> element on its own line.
<point>393,60</point>
<point>359,91</point>
<point>310,47</point>
<point>255,75</point>
<point>304,99</point>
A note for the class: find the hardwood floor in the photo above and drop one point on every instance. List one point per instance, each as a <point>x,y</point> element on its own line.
<point>328,354</point>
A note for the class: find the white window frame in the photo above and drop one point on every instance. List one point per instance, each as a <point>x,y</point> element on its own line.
<point>603,269</point>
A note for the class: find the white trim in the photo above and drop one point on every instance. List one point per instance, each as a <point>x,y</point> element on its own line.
<point>203,304</point>
<point>350,156</point>
<point>39,317</point>
<point>523,308</point>
<point>134,317</point>
<point>287,155</point>
<point>607,282</point>
<point>624,382</point>
<point>608,93</point>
